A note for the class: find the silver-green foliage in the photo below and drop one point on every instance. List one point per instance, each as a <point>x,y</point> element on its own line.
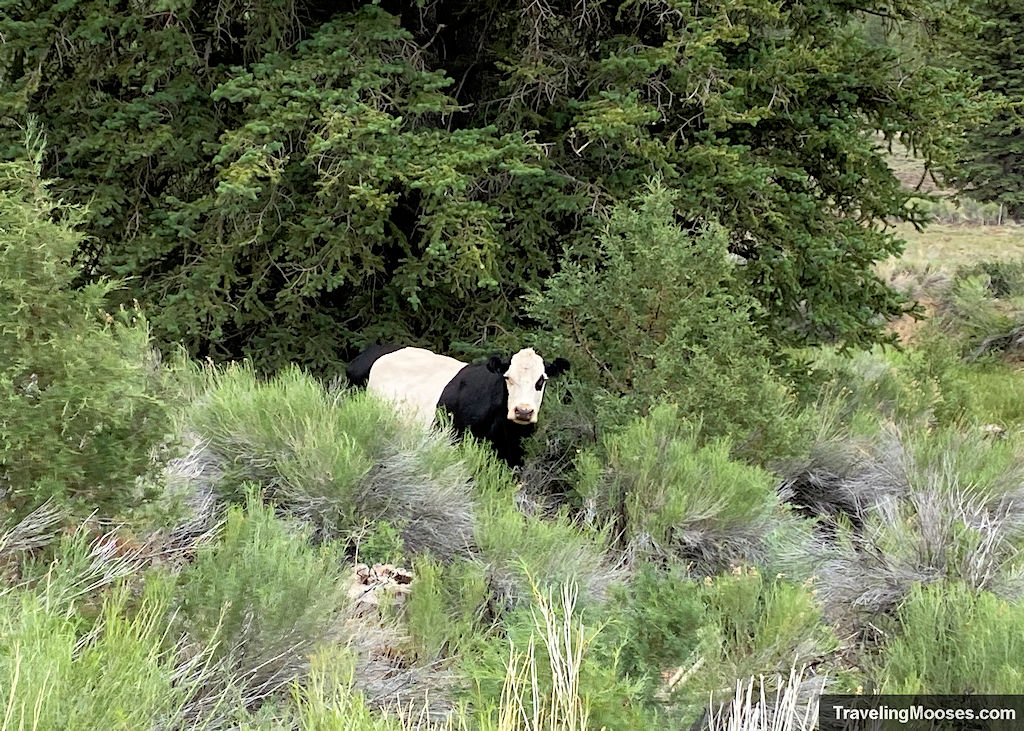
<point>340,459</point>
<point>667,495</point>
<point>264,599</point>
<point>933,506</point>
<point>521,550</point>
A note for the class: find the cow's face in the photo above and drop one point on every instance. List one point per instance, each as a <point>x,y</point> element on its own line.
<point>525,375</point>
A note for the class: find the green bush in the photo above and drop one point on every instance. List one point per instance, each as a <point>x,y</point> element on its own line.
<point>657,312</point>
<point>954,640</point>
<point>341,459</point>
<point>80,388</point>
<point>703,636</point>
<point>666,495</point>
<point>380,543</point>
<point>446,606</point>
<point>265,598</point>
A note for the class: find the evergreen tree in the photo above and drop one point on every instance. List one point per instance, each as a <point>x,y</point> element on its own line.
<point>289,180</point>
<point>80,413</point>
<point>991,167</point>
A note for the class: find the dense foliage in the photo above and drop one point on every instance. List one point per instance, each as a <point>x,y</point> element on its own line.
<point>80,406</point>
<point>989,48</point>
<point>685,199</point>
<point>288,180</point>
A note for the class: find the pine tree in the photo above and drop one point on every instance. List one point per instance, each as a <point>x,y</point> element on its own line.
<point>289,180</point>
<point>991,168</point>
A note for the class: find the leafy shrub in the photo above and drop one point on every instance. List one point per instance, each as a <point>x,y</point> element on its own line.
<point>1003,277</point>
<point>340,459</point>
<point>953,639</point>
<point>265,598</point>
<point>657,312</point>
<point>80,388</point>
<point>668,496</point>
<point>685,638</point>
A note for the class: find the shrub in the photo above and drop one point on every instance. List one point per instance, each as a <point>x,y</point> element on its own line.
<point>685,639</point>
<point>328,701</point>
<point>521,550</point>
<point>80,388</point>
<point>953,639</point>
<point>657,312</point>
<point>946,505</point>
<point>446,606</point>
<point>668,496</point>
<point>265,598</point>
<point>380,543</point>
<point>340,459</point>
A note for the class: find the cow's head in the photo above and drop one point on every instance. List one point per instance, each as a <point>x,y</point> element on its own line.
<point>525,374</point>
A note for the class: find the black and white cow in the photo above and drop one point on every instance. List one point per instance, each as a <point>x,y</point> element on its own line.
<point>497,400</point>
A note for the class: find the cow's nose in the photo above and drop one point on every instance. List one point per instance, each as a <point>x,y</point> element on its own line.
<point>524,413</point>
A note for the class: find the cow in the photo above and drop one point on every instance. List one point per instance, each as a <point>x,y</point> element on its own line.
<point>496,400</point>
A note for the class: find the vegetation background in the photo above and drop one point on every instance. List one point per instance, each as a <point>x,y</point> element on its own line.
<point>778,240</point>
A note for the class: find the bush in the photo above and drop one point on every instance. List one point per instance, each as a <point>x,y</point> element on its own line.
<point>953,639</point>
<point>58,670</point>
<point>80,388</point>
<point>522,550</point>
<point>657,312</point>
<point>341,459</point>
<point>943,505</point>
<point>668,496</point>
<point>328,700</point>
<point>264,598</point>
<point>685,639</point>
<point>446,607</point>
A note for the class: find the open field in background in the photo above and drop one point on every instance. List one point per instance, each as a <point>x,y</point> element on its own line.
<point>951,245</point>
<point>963,232</point>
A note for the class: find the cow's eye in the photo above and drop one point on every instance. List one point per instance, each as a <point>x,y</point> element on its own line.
<point>540,382</point>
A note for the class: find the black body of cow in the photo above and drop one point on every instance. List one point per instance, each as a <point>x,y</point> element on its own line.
<point>477,399</point>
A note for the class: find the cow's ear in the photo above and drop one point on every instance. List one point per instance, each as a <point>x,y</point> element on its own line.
<point>557,367</point>
<point>496,364</point>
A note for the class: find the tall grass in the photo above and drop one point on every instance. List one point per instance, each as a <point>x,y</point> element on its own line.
<point>120,670</point>
<point>520,549</point>
<point>789,708</point>
<point>559,704</point>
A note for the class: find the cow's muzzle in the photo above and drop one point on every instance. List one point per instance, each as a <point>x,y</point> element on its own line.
<point>524,415</point>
